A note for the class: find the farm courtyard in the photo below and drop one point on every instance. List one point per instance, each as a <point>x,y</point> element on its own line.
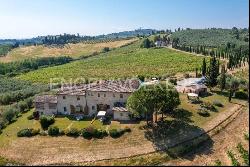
<point>47,150</point>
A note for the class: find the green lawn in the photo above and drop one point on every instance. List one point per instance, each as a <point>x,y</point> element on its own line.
<point>198,120</point>
<point>10,132</point>
<point>123,62</point>
<point>64,123</point>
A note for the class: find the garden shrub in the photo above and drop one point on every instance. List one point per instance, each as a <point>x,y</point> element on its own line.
<point>28,132</point>
<point>204,113</point>
<point>90,132</point>
<point>127,129</point>
<point>61,132</point>
<point>46,121</point>
<point>208,106</point>
<point>217,103</point>
<point>241,95</point>
<point>30,117</point>
<point>114,133</point>
<point>99,133</point>
<point>72,132</point>
<point>53,131</point>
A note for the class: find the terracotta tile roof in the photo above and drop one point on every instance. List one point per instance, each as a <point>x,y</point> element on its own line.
<point>46,99</point>
<point>127,86</point>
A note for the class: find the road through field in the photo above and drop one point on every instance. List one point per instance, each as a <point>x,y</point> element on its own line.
<point>226,139</point>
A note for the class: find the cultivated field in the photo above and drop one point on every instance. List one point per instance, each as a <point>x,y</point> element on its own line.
<point>72,50</point>
<point>123,62</point>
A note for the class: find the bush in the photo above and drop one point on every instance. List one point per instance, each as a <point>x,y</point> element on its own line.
<point>23,107</point>
<point>106,49</point>
<point>99,133</point>
<point>46,121</point>
<point>114,133</point>
<point>53,131</point>
<point>28,132</point>
<point>61,132</point>
<point>173,81</point>
<point>90,132</point>
<point>73,132</point>
<point>241,95</point>
<point>208,106</point>
<point>10,114</point>
<point>217,103</point>
<point>204,113</point>
<point>127,129</point>
<point>30,117</point>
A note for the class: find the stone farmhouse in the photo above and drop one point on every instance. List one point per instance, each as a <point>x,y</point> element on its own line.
<point>88,99</point>
<point>192,85</point>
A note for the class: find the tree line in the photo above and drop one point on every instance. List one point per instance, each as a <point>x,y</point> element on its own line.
<point>26,65</point>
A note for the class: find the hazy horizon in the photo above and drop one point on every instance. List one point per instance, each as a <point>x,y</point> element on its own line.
<point>27,19</point>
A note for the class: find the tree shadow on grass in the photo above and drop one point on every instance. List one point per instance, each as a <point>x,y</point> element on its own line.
<point>177,138</point>
<point>182,114</point>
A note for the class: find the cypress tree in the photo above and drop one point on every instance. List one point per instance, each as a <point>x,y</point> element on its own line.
<point>223,78</point>
<point>204,67</point>
<point>213,72</point>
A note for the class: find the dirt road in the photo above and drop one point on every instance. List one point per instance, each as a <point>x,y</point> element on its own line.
<point>216,149</point>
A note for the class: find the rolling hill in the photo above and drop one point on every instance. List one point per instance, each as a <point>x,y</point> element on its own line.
<point>72,50</point>
<point>211,37</point>
<point>122,62</point>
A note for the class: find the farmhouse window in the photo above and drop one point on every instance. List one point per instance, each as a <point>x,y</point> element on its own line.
<point>113,95</point>
<point>64,97</point>
<point>78,98</point>
<point>98,94</point>
<point>93,107</point>
<point>65,108</point>
<point>104,95</point>
<point>108,106</point>
<point>121,114</point>
<point>121,96</point>
<point>39,105</point>
<point>52,105</point>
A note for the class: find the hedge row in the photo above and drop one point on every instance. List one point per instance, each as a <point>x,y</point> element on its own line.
<point>87,133</point>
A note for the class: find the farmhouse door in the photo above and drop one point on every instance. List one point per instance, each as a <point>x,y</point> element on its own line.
<point>102,107</point>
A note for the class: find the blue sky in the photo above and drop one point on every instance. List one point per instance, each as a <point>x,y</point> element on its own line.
<point>29,18</point>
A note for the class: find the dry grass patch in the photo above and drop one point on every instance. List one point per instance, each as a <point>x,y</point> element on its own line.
<point>72,50</point>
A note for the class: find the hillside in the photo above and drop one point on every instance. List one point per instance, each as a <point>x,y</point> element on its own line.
<point>72,50</point>
<point>211,37</point>
<point>126,61</point>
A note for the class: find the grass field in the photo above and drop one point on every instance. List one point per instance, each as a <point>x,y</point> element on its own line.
<point>127,61</point>
<point>72,50</point>
<point>37,149</point>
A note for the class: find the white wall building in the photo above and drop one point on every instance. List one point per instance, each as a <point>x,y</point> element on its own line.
<point>192,85</point>
<point>88,99</point>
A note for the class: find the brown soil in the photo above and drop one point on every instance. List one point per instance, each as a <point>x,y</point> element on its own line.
<point>216,149</point>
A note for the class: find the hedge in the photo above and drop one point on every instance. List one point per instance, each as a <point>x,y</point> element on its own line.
<point>28,132</point>
<point>53,131</point>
